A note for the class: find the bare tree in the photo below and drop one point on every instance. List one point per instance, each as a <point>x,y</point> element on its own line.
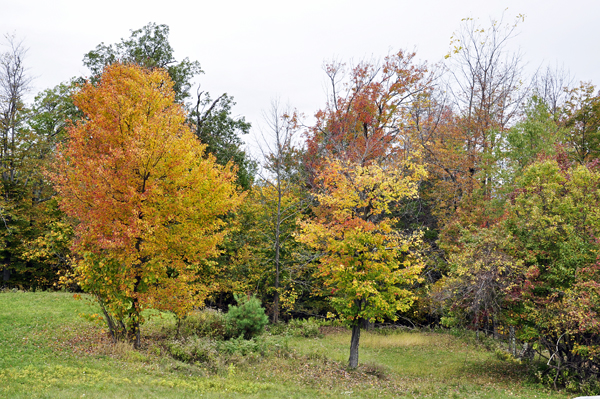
<point>279,179</point>
<point>552,86</point>
<point>486,86</point>
<point>14,84</point>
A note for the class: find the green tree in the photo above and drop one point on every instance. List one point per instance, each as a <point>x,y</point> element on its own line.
<point>536,134</point>
<point>582,120</point>
<point>214,125</point>
<point>52,111</point>
<point>148,47</point>
<point>25,211</point>
<point>535,267</point>
<point>248,318</point>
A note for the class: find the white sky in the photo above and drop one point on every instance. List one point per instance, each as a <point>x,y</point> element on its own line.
<point>260,50</point>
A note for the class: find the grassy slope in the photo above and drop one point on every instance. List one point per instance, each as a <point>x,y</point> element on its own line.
<point>46,350</point>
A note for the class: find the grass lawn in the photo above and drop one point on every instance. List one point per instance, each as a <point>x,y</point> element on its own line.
<point>47,350</point>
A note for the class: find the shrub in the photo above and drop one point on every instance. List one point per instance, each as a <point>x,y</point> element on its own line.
<point>263,346</point>
<point>206,323</point>
<point>192,350</point>
<point>240,346</point>
<point>247,319</point>
<point>307,328</point>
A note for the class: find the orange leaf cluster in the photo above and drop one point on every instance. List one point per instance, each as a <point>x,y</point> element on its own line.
<point>146,200</point>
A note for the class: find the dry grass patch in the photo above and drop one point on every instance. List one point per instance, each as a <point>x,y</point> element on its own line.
<point>396,340</point>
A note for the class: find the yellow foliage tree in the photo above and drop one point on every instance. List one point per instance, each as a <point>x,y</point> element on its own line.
<point>144,198</point>
<point>367,266</point>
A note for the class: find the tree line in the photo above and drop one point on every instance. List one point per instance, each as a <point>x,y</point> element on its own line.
<point>459,194</point>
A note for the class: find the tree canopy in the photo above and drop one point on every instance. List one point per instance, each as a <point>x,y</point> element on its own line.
<point>144,199</point>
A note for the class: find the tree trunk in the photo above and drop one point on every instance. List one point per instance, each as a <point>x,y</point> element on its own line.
<point>353,361</point>
<point>112,328</point>
<point>138,342</point>
<point>276,305</point>
<point>513,341</point>
<point>277,233</point>
<point>135,333</point>
<point>495,328</point>
<point>5,274</point>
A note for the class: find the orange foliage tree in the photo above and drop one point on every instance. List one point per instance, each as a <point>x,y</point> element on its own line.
<point>366,114</point>
<point>145,200</point>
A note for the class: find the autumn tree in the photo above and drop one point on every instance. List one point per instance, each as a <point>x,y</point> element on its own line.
<point>459,123</point>
<point>367,267</point>
<point>480,276</point>
<point>144,199</point>
<point>367,110</point>
<point>210,119</point>
<point>535,267</point>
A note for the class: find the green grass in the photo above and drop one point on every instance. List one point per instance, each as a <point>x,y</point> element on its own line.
<point>48,351</point>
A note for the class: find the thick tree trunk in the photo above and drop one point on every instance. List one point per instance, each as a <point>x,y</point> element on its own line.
<point>5,274</point>
<point>353,361</point>
<point>137,343</point>
<point>135,333</point>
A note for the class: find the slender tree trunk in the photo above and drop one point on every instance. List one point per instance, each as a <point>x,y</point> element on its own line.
<point>276,301</point>
<point>513,341</point>
<point>277,249</point>
<point>277,231</point>
<point>495,327</point>
<point>276,297</point>
<point>353,361</point>
<point>109,321</point>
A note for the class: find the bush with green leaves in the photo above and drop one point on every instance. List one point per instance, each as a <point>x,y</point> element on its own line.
<point>307,328</point>
<point>203,350</point>
<point>247,319</point>
<point>209,323</point>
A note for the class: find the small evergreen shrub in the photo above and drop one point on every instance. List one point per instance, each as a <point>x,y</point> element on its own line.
<point>247,319</point>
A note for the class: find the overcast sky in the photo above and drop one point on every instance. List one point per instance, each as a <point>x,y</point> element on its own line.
<point>260,50</point>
